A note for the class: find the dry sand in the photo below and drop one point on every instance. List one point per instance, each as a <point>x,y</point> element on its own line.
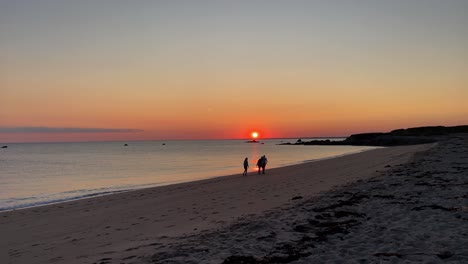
<point>291,212</point>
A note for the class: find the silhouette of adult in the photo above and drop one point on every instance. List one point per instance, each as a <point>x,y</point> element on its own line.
<point>264,163</point>
<point>246,166</point>
<point>261,164</point>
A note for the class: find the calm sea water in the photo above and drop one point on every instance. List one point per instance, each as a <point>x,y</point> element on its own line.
<point>36,174</point>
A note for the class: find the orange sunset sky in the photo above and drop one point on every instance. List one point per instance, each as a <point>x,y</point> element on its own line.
<point>131,70</point>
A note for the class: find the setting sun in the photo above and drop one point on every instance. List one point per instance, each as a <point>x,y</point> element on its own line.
<point>254,134</point>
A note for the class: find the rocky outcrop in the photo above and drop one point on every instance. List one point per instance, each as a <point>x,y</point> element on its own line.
<point>377,139</point>
<point>409,136</point>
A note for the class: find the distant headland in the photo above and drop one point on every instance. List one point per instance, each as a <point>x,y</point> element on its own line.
<point>409,136</point>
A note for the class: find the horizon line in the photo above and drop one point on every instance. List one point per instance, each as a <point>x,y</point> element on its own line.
<point>141,140</point>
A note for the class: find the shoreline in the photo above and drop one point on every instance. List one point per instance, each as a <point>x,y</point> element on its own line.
<point>118,222</point>
<point>414,212</point>
<point>125,189</point>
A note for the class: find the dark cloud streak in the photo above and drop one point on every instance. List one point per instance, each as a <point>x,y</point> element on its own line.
<point>45,130</point>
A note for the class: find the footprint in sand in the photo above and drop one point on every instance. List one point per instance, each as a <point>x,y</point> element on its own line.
<point>56,259</point>
<point>129,257</point>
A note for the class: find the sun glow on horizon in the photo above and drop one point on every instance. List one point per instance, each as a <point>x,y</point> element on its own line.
<point>254,135</point>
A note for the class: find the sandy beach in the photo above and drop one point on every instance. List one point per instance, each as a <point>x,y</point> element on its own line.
<point>394,204</point>
<point>124,127</point>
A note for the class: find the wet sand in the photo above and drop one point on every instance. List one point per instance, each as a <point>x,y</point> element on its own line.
<point>208,221</point>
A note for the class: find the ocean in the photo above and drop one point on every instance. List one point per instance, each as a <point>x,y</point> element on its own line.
<point>33,174</point>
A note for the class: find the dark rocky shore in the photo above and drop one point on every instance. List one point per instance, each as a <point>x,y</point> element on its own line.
<point>412,213</point>
<point>410,136</point>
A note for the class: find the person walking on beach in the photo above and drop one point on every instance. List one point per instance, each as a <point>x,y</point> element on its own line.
<point>261,164</point>
<point>264,163</point>
<point>246,166</point>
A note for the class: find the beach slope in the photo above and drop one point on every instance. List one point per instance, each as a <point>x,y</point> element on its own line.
<point>154,224</point>
<point>416,212</point>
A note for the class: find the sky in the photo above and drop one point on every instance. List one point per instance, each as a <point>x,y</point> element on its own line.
<point>149,70</point>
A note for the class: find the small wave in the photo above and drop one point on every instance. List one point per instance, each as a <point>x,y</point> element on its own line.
<point>51,201</point>
<point>40,200</point>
